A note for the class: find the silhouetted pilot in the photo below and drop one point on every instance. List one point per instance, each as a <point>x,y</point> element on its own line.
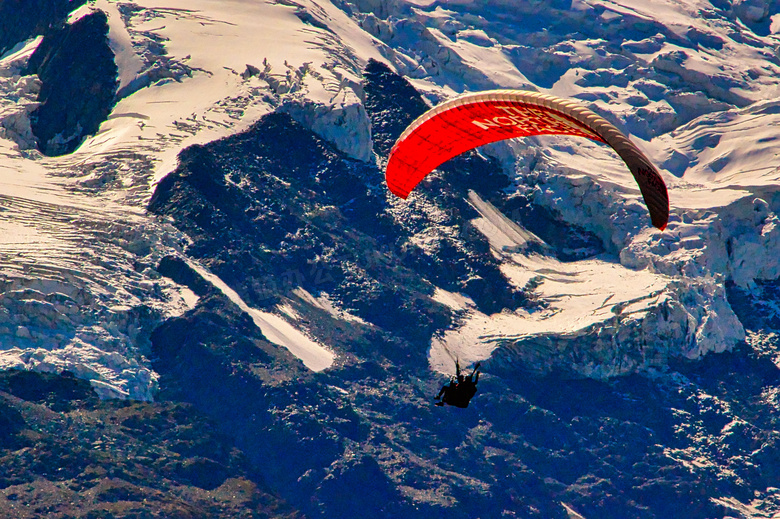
<point>460,389</point>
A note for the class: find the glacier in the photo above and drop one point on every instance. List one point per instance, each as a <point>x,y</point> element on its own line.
<point>694,83</point>
<point>700,113</point>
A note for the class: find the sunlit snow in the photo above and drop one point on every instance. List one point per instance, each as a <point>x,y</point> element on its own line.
<point>73,228</point>
<point>275,328</point>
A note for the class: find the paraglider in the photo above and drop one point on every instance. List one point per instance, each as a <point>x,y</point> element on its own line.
<point>460,389</point>
<point>471,120</point>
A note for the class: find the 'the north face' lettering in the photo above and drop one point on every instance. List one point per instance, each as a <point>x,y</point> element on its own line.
<point>531,121</point>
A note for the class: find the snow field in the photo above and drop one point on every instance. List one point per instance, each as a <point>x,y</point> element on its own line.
<point>691,83</point>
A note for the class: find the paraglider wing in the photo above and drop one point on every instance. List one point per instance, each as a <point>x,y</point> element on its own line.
<point>471,120</point>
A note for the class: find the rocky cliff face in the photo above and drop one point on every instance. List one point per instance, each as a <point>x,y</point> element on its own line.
<point>78,83</point>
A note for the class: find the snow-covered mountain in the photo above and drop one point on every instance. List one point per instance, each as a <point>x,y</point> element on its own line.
<point>193,210</point>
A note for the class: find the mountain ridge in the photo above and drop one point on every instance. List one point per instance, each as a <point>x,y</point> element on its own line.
<point>228,223</point>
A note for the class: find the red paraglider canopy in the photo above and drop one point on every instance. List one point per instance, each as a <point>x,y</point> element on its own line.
<point>472,120</point>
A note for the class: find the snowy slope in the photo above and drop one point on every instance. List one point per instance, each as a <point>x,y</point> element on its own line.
<point>692,83</point>
<point>75,226</point>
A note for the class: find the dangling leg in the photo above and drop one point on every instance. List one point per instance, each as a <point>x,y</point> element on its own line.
<point>475,373</point>
<point>443,394</point>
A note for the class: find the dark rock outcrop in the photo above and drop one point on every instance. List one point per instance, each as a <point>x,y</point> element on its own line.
<point>79,82</point>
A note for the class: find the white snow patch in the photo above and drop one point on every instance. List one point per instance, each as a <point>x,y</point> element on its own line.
<point>18,96</point>
<point>579,294</point>
<point>502,233</point>
<point>275,328</point>
<point>598,293</point>
<point>453,300</point>
<point>324,302</point>
<point>128,63</point>
<point>189,297</point>
<point>282,333</point>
